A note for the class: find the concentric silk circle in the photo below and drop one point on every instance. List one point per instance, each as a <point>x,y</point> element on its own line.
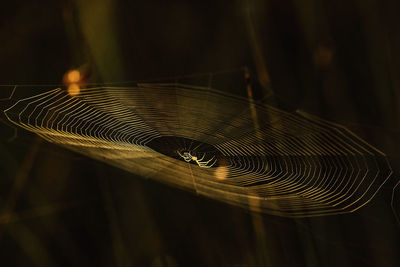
<point>214,144</point>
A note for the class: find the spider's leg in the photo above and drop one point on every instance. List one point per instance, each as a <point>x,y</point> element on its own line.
<point>212,164</point>
<point>200,163</point>
<point>202,157</point>
<point>210,160</point>
<point>186,157</point>
<point>179,153</point>
<point>204,164</point>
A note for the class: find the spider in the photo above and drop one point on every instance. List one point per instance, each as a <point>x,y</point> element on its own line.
<point>201,162</point>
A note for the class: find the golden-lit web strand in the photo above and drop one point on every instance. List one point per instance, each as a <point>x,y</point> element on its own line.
<point>287,164</point>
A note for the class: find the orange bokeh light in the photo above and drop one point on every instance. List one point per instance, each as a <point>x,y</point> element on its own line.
<point>74,89</point>
<point>73,76</point>
<point>221,173</point>
<point>323,56</point>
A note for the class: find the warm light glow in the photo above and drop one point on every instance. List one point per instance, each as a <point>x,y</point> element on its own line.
<point>221,173</point>
<point>74,89</point>
<point>323,56</point>
<point>73,76</point>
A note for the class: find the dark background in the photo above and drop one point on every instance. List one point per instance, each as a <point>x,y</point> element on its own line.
<point>339,60</point>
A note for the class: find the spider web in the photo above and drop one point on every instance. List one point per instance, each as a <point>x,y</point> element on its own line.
<point>268,160</point>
